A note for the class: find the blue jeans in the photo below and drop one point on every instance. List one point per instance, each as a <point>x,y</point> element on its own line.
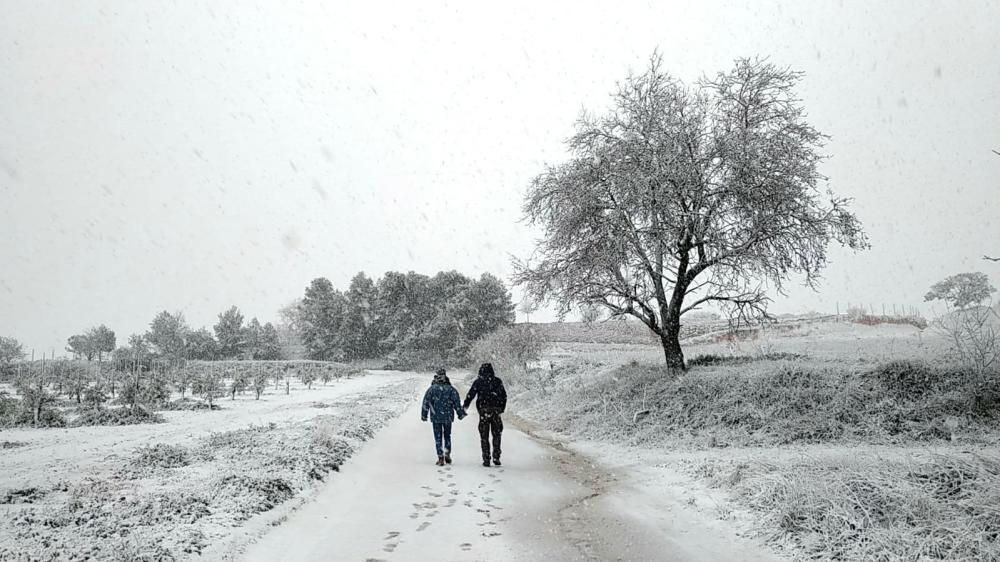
<point>442,431</point>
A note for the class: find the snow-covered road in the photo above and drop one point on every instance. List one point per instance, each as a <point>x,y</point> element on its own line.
<point>390,502</point>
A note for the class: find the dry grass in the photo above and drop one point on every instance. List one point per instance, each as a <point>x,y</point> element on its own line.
<point>768,402</point>
<point>169,501</point>
<point>934,507</point>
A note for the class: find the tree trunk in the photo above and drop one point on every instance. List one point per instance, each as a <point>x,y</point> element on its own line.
<point>670,339</point>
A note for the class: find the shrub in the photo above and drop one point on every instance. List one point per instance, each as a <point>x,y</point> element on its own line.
<point>117,416</point>
<point>255,494</point>
<point>707,359</point>
<point>151,391</point>
<point>22,495</point>
<point>905,379</point>
<point>772,403</point>
<point>94,397</point>
<point>162,455</point>
<point>188,404</point>
<point>936,508</point>
<point>510,350</point>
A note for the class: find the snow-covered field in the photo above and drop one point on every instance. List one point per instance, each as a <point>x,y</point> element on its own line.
<point>180,488</point>
<point>314,475</point>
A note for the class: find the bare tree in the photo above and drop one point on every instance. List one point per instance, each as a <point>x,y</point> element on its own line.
<point>685,196</point>
<point>527,307</point>
<point>970,322</point>
<point>590,313</point>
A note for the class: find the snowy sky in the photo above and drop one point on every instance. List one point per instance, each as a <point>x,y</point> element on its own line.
<point>194,155</point>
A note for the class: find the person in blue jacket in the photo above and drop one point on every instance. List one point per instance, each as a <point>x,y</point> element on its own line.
<point>441,402</point>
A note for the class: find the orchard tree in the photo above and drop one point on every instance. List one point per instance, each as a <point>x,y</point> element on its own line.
<point>230,334</point>
<point>683,196</point>
<point>259,380</point>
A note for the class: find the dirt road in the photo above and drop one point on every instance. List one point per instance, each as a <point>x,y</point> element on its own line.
<point>390,502</point>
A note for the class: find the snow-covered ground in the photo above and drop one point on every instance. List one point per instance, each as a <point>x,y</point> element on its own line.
<point>551,500</point>
<point>189,488</point>
<point>547,502</point>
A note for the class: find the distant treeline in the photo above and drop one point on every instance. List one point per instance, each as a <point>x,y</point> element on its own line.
<point>411,318</point>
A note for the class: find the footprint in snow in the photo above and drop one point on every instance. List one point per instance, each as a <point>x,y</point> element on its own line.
<point>391,535</point>
<point>423,526</point>
<point>466,546</point>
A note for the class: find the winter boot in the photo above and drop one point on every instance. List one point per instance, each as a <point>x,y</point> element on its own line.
<point>440,461</point>
<point>486,463</point>
<point>447,458</point>
<point>496,462</point>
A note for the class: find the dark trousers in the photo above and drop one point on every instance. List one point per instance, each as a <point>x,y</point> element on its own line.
<point>442,432</point>
<point>490,424</point>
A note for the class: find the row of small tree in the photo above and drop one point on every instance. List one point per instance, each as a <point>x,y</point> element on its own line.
<point>409,317</point>
<point>142,381</point>
<point>170,338</point>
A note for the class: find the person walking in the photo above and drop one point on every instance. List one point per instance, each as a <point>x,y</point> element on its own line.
<point>491,401</point>
<point>441,403</point>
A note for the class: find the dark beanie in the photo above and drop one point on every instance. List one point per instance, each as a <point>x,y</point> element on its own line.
<point>440,372</point>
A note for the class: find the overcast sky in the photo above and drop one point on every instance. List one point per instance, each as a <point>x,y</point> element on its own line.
<point>195,155</point>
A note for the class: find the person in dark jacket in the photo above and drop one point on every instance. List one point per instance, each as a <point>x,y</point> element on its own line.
<point>441,402</point>
<point>491,401</point>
